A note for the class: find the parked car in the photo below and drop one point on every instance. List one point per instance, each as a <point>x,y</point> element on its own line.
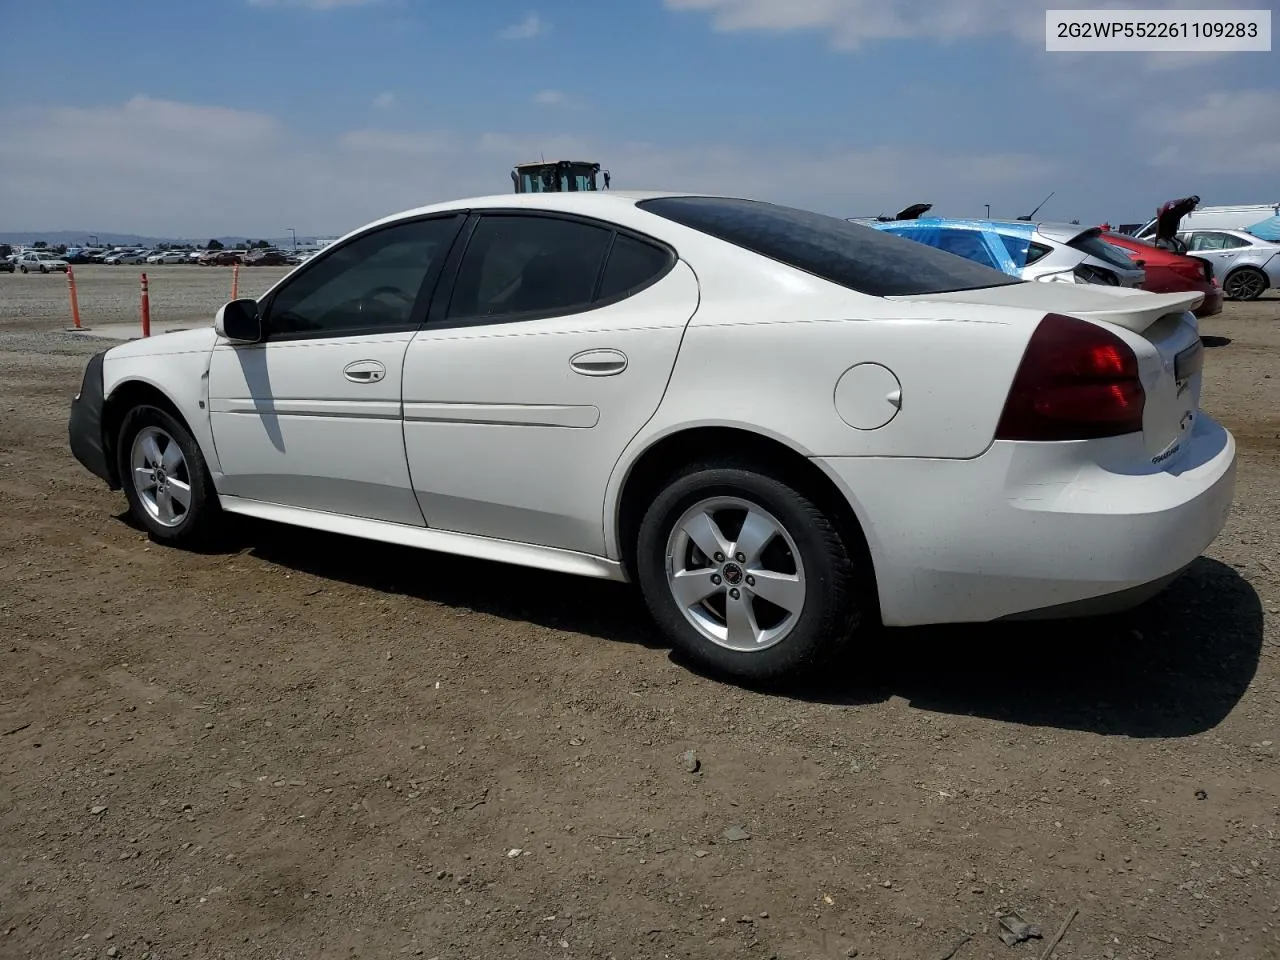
<point>120,257</point>
<point>7,265</point>
<point>1032,251</point>
<point>1169,272</point>
<point>265,258</point>
<point>781,425</point>
<point>37,261</point>
<point>1248,265</point>
<point>168,256</point>
<point>219,258</point>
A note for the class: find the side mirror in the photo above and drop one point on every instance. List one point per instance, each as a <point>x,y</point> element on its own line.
<point>239,321</point>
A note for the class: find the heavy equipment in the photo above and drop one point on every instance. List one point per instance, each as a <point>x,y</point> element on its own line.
<point>555,176</point>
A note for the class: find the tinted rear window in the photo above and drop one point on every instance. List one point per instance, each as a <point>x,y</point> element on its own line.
<point>861,258</point>
<point>1095,246</point>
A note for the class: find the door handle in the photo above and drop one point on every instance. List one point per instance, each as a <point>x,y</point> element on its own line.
<point>598,363</point>
<point>364,371</point>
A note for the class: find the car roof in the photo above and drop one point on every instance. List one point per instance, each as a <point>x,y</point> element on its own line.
<point>587,202</point>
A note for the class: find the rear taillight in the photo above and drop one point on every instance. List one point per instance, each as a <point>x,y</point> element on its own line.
<point>1076,381</point>
<point>1193,269</point>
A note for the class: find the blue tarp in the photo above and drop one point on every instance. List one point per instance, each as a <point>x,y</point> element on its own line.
<point>998,244</point>
<point>1268,229</point>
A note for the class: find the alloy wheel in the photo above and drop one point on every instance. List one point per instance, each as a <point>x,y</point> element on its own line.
<point>735,574</point>
<point>1244,285</point>
<point>161,477</point>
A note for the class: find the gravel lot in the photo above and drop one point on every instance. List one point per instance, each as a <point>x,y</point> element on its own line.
<point>307,746</point>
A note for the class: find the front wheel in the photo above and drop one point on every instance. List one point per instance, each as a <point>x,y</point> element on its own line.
<point>165,477</point>
<point>745,574</point>
<point>1247,283</point>
<point>24,269</point>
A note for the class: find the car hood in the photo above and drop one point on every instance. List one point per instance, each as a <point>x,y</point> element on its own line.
<point>180,341</point>
<point>1126,307</point>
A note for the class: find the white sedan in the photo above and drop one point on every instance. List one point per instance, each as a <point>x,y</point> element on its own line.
<point>784,427</point>
<point>169,256</point>
<point>37,261</point>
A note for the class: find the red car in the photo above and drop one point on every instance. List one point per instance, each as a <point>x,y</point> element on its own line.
<point>1169,272</point>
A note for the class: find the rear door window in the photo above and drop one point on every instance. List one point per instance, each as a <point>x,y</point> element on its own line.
<point>968,244</point>
<point>528,265</point>
<point>1019,249</point>
<point>633,265</point>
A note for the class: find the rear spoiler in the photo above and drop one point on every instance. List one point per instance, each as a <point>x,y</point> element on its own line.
<point>1138,311</point>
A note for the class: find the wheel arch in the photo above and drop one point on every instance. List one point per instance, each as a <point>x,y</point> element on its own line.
<point>1256,267</point>
<point>663,455</point>
<point>125,396</point>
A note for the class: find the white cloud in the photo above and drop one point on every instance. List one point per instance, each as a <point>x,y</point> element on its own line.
<point>853,24</point>
<point>1219,133</point>
<point>163,168</point>
<point>529,28</point>
<point>385,100</point>
<point>550,98</point>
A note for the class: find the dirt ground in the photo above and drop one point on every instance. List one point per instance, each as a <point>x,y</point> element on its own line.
<point>303,746</point>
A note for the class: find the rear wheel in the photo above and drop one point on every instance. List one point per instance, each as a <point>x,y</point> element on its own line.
<point>1246,283</point>
<point>745,574</point>
<point>165,477</point>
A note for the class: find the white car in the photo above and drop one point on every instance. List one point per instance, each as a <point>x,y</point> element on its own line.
<point>36,261</point>
<point>784,427</point>
<point>126,257</point>
<point>169,256</point>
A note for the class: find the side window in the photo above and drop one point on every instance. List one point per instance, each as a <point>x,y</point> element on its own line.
<point>527,265</point>
<point>967,244</point>
<point>1037,251</point>
<point>1019,249</point>
<point>1207,241</point>
<point>632,264</point>
<point>1230,242</point>
<point>366,285</point>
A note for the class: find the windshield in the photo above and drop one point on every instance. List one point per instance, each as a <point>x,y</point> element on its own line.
<point>861,258</point>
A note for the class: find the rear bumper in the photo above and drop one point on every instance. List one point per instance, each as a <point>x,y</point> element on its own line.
<point>1032,529</point>
<point>1212,304</point>
<point>84,426</point>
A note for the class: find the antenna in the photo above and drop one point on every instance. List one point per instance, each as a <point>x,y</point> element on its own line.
<point>1037,209</point>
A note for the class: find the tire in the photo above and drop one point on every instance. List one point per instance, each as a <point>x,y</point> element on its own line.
<point>179,525</point>
<point>23,269</point>
<point>1246,283</point>
<point>44,269</point>
<point>767,647</point>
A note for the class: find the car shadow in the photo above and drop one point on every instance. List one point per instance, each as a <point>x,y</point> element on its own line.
<point>1174,667</point>
<point>1214,341</point>
<point>599,608</point>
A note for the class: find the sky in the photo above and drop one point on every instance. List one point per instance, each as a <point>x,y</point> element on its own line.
<point>247,117</point>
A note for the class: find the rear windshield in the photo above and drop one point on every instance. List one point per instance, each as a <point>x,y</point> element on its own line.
<point>861,258</point>
<point>1095,246</point>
